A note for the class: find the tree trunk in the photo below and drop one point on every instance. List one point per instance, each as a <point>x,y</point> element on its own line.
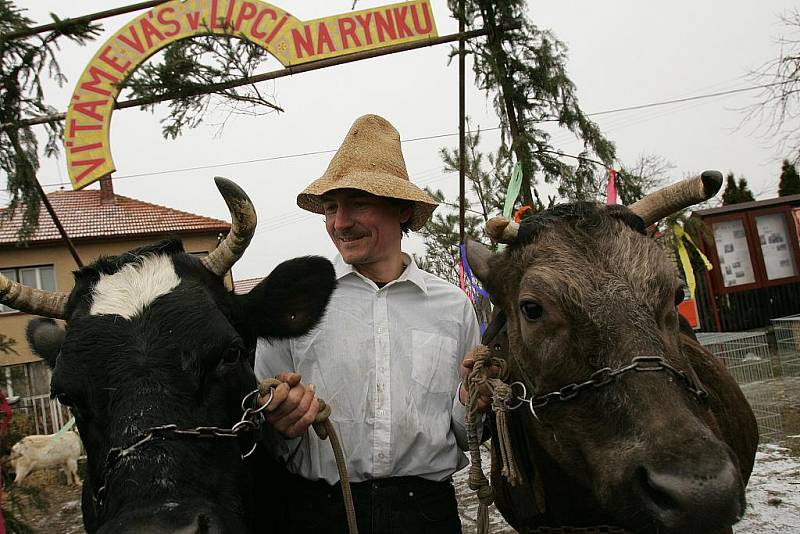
<point>518,145</point>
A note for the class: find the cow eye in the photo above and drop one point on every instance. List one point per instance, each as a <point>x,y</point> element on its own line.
<point>532,311</point>
<point>233,352</point>
<point>231,355</point>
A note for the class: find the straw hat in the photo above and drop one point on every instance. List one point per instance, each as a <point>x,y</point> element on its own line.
<point>370,160</point>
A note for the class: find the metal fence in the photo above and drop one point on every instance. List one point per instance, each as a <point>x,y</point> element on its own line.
<point>745,354</point>
<point>747,357</point>
<point>48,414</point>
<point>787,336</point>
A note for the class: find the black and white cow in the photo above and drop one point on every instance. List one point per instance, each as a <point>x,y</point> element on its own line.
<point>152,338</point>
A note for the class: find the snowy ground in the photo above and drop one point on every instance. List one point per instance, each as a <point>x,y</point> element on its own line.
<point>773,499</point>
<point>773,496</point>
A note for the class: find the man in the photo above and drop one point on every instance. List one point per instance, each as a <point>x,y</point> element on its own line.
<point>386,357</point>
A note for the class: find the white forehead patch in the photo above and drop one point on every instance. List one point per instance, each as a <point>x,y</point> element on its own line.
<point>134,287</point>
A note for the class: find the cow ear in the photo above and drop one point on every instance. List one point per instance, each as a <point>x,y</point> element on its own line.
<point>45,338</point>
<point>291,300</point>
<point>478,256</point>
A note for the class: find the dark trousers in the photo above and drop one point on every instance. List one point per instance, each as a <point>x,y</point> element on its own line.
<point>397,505</point>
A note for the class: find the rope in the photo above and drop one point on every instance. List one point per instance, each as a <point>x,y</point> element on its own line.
<point>324,429</point>
<point>483,361</point>
<point>500,398</point>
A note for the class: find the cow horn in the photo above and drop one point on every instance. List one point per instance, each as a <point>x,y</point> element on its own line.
<point>31,300</point>
<point>502,230</point>
<point>678,196</point>
<point>243,226</point>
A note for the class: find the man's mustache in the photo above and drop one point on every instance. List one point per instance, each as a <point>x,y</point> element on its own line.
<point>349,235</point>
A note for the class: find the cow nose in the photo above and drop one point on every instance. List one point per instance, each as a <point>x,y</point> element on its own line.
<point>689,502</point>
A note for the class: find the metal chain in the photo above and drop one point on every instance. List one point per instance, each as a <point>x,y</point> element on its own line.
<point>604,377</point>
<point>251,420</point>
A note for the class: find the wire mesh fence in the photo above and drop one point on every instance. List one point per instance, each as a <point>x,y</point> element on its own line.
<point>787,337</point>
<point>747,357</point>
<point>745,354</point>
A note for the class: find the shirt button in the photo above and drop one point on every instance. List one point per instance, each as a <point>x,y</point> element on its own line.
<point>380,330</point>
<point>380,455</point>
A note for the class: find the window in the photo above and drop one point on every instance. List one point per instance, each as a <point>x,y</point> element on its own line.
<point>39,277</point>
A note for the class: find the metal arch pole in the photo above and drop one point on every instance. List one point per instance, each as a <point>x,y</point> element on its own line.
<point>462,123</point>
<point>27,32</point>
<point>58,224</point>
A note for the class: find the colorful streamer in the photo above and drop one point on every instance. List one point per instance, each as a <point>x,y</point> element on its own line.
<point>680,237</point>
<point>611,191</point>
<point>470,285</point>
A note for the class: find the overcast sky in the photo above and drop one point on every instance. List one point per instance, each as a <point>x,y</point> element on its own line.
<point>621,53</point>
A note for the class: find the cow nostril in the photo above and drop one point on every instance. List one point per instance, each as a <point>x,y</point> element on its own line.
<point>657,494</point>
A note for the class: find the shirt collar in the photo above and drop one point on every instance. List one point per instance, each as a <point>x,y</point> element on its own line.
<point>411,273</point>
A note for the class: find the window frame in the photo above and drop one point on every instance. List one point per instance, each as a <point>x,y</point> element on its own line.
<point>6,310</point>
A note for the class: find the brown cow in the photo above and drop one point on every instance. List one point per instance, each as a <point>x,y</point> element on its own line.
<point>667,451</point>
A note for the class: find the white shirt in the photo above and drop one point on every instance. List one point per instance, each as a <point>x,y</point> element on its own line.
<point>387,361</point>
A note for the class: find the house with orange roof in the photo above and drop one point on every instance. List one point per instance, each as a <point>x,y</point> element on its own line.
<point>98,222</point>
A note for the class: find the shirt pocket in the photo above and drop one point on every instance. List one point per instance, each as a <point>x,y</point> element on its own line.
<point>434,361</point>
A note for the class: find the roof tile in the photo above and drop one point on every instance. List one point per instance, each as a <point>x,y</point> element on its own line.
<point>85,217</point>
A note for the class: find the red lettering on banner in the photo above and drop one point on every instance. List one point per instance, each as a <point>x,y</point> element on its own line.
<point>214,6</point>
<point>264,12</point>
<point>75,127</point>
<point>161,16</point>
<point>385,25</point>
<point>92,85</point>
<point>113,60</point>
<point>324,38</point>
<point>84,148</point>
<point>347,28</point>
<point>229,13</point>
<point>428,21</point>
<point>364,23</point>
<point>91,165</point>
<point>149,31</point>
<point>277,28</point>
<point>135,44</point>
<point>306,43</point>
<point>90,108</point>
<point>246,12</point>
<point>400,19</point>
<point>193,19</point>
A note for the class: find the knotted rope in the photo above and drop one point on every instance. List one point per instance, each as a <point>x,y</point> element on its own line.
<point>501,394</point>
<point>323,427</point>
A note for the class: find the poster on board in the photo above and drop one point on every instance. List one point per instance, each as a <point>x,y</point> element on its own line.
<point>776,248</point>
<point>735,266</point>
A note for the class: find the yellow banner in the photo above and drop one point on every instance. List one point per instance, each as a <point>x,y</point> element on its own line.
<point>289,39</point>
<point>683,255</point>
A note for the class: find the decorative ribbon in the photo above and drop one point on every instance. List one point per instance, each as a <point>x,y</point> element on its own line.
<point>69,424</point>
<point>514,186</point>
<point>681,237</point>
<point>469,284</point>
<point>611,191</point>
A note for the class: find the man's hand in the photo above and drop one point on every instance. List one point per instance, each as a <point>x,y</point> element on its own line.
<point>485,393</point>
<point>294,406</point>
